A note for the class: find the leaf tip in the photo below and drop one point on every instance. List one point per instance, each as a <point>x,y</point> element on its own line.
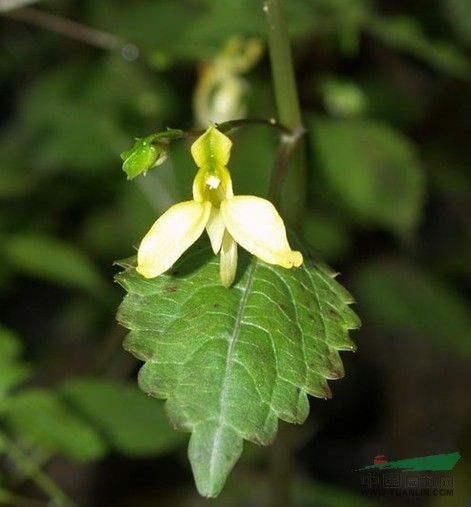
<point>327,393</point>
<point>213,451</point>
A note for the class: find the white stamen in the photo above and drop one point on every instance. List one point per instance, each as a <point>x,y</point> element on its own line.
<point>213,182</point>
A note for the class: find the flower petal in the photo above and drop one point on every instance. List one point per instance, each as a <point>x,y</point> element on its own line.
<point>228,262</point>
<point>175,231</point>
<point>256,225</point>
<point>215,229</point>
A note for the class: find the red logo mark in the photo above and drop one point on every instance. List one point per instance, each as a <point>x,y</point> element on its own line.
<point>380,459</point>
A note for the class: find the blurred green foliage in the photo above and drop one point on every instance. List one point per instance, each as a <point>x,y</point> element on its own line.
<point>386,96</point>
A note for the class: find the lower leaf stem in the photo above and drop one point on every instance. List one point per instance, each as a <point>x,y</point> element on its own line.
<point>36,475</point>
<point>281,467</point>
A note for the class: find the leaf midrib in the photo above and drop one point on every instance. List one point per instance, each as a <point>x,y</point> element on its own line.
<point>229,363</point>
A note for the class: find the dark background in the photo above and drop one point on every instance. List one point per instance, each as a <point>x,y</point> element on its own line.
<point>386,96</point>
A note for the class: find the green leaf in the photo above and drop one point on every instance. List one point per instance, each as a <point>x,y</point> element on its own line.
<point>191,30</point>
<point>404,298</point>
<point>342,97</point>
<point>83,131</point>
<point>328,235</point>
<point>404,33</point>
<point>13,183</point>
<point>3,447</point>
<point>459,14</point>
<point>373,169</point>
<point>41,418</point>
<point>51,259</point>
<point>231,362</point>
<point>10,345</point>
<point>133,423</point>
<point>13,371</point>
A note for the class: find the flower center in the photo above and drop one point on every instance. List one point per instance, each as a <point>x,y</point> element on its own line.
<point>213,185</point>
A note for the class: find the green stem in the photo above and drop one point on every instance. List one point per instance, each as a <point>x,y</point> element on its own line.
<point>292,153</point>
<point>281,466</point>
<point>284,81</point>
<point>227,126</point>
<point>58,497</point>
<point>171,134</point>
<point>288,185</point>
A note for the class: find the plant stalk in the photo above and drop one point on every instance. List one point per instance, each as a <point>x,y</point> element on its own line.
<point>288,184</point>
<point>288,190</point>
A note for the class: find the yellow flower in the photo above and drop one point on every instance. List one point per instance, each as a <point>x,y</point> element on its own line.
<point>250,221</point>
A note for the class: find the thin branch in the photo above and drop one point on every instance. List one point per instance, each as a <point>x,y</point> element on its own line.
<point>11,5</point>
<point>287,146</point>
<point>270,122</point>
<point>71,29</point>
<point>228,126</point>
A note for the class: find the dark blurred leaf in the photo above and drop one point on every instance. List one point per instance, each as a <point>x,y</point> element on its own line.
<point>330,495</point>
<point>130,421</point>
<point>10,345</point>
<point>401,297</point>
<point>373,169</point>
<point>253,156</point>
<point>343,98</point>
<point>76,116</point>
<point>51,259</point>
<point>397,105</point>
<point>192,30</point>
<point>147,24</point>
<point>70,119</point>
<point>405,34</point>
<point>42,419</point>
<point>13,183</point>
<point>111,233</point>
<point>246,17</point>
<point>459,14</point>
<point>326,235</point>
<point>12,370</point>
